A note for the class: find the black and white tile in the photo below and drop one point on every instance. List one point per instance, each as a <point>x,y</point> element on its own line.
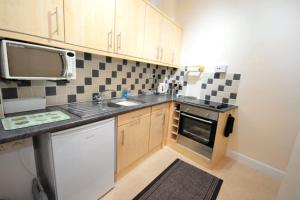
<point>212,86</point>
<point>97,73</point>
<point>94,74</point>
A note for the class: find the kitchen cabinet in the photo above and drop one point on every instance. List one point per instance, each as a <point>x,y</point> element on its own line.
<point>129,27</point>
<point>90,23</point>
<point>167,41</point>
<point>140,132</point>
<point>162,38</point>
<point>157,128</point>
<point>132,140</point>
<point>177,48</point>
<point>33,17</point>
<point>153,23</point>
<point>126,29</point>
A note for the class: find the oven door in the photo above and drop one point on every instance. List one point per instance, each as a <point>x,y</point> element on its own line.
<point>198,129</point>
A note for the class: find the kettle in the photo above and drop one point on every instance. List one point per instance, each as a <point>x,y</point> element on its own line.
<point>162,88</point>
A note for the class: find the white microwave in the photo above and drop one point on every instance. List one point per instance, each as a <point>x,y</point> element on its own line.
<point>23,61</point>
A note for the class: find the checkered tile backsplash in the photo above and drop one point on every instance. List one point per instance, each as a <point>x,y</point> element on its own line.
<point>220,87</point>
<point>94,74</point>
<point>99,73</point>
<point>213,86</point>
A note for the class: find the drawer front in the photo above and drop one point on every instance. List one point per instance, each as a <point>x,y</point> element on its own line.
<point>159,107</point>
<point>128,117</point>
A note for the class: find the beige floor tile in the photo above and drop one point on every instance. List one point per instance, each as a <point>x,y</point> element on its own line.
<point>241,182</point>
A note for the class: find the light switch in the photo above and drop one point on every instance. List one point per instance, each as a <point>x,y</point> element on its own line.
<point>221,68</point>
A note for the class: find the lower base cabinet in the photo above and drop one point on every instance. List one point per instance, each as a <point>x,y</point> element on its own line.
<point>132,141</point>
<point>138,133</point>
<point>157,128</point>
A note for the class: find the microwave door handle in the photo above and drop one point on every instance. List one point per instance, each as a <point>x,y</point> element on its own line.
<point>196,118</point>
<point>64,69</point>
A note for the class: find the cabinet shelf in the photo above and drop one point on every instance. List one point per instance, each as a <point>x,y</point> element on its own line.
<point>174,133</point>
<point>175,125</point>
<point>173,138</point>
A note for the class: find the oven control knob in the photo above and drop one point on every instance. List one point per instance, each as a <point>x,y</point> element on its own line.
<point>206,114</point>
<point>187,109</point>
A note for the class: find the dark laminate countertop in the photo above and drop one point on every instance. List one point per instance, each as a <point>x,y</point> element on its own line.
<point>149,100</point>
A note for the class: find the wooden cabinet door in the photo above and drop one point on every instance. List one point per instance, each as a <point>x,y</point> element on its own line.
<point>153,24</point>
<point>168,37</point>
<point>177,49</point>
<point>33,17</point>
<point>157,128</point>
<point>130,27</point>
<point>132,141</point>
<point>90,23</point>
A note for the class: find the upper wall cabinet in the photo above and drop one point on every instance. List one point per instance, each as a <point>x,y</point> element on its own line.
<point>167,43</point>
<point>90,23</point>
<point>162,37</point>
<point>33,17</point>
<point>153,23</point>
<point>177,49</point>
<point>129,27</point>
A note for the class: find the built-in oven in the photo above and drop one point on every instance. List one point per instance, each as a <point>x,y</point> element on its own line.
<point>197,128</point>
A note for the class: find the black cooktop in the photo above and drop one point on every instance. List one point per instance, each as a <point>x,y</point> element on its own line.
<point>204,103</point>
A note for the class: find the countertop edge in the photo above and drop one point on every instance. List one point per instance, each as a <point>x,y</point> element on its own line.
<point>84,121</point>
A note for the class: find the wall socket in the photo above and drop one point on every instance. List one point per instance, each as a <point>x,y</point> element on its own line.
<point>221,68</point>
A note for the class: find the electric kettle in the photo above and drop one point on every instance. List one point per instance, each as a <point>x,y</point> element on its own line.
<point>162,88</point>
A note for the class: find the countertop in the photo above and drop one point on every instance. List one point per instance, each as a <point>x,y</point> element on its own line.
<point>74,121</point>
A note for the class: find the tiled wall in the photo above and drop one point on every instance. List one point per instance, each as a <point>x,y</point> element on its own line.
<point>220,87</point>
<point>99,73</point>
<point>94,73</point>
<point>213,86</point>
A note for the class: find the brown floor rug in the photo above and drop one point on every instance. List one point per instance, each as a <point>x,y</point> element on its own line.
<point>182,181</point>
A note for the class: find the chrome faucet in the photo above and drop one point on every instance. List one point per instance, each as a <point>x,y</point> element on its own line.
<point>99,98</point>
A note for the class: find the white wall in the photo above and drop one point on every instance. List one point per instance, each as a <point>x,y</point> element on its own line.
<point>290,186</point>
<point>261,40</point>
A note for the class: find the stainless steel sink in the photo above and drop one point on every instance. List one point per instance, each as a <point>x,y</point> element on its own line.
<point>110,104</point>
<point>86,109</point>
<point>125,102</point>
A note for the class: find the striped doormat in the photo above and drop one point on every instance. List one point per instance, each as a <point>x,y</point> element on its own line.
<point>182,181</point>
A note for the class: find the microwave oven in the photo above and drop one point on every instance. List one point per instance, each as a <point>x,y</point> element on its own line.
<point>23,61</point>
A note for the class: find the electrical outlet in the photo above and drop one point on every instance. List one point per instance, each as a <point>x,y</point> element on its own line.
<point>221,68</point>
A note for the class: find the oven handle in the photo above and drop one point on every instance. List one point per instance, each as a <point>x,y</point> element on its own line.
<point>196,118</point>
<point>197,136</point>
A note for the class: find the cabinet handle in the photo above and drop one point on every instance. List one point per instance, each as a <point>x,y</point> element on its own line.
<point>161,53</point>
<point>164,120</point>
<point>57,18</point>
<point>157,53</point>
<point>123,137</point>
<point>109,39</point>
<point>119,41</point>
